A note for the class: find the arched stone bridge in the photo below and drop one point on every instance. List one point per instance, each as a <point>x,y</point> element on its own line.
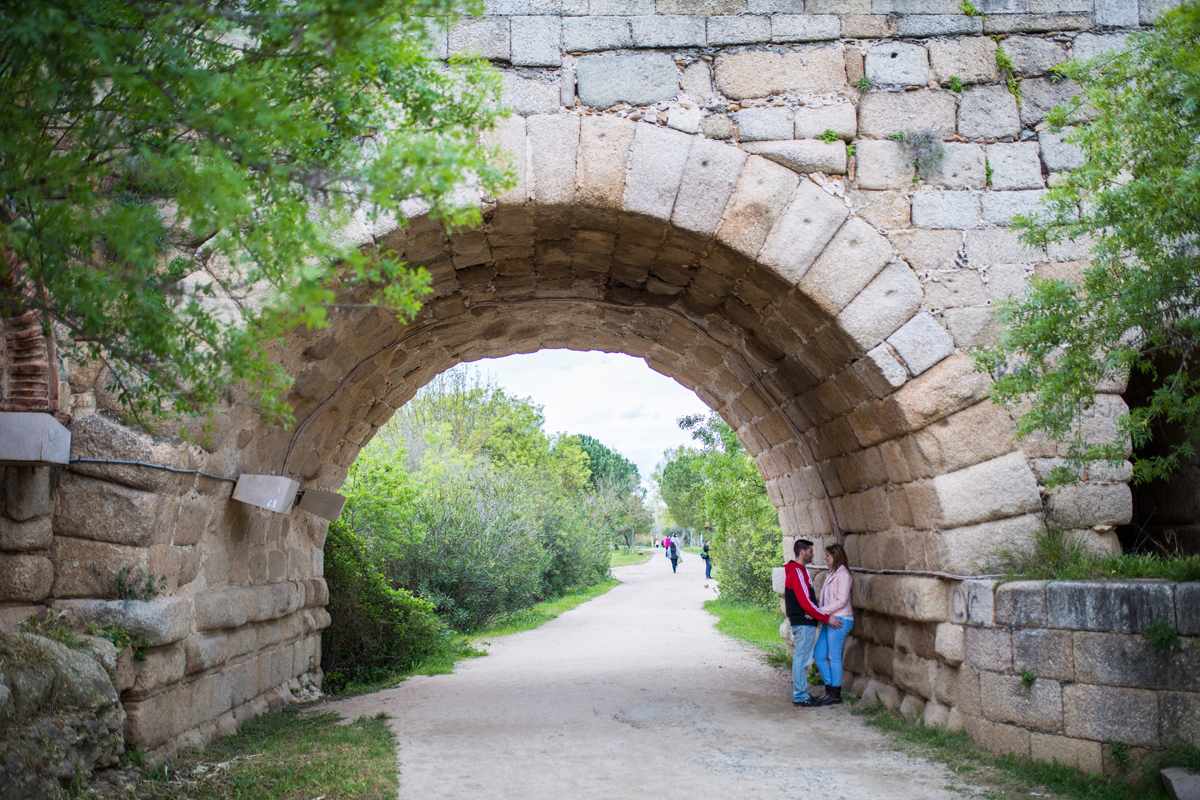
<point>675,202</point>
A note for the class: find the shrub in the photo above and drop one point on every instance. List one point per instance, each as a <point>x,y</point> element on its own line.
<point>472,548</point>
<point>140,585</point>
<point>376,631</point>
<point>744,561</point>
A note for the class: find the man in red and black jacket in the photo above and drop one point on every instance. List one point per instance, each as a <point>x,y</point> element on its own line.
<point>800,603</point>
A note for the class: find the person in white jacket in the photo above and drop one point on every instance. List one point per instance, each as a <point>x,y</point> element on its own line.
<point>835,601</point>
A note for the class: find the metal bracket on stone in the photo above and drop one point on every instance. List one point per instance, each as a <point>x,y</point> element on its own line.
<point>33,439</point>
<point>326,505</point>
<point>282,495</point>
<point>272,492</point>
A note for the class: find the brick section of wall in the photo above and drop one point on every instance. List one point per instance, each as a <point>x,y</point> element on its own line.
<point>28,381</point>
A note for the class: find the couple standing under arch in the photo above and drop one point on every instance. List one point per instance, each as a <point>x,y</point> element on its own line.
<point>819,627</point>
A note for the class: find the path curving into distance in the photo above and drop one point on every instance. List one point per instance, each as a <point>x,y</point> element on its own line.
<point>634,694</point>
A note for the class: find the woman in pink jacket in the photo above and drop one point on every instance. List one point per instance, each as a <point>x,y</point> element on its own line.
<point>835,601</point>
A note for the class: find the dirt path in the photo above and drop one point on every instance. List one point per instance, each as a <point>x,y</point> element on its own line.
<point>634,694</point>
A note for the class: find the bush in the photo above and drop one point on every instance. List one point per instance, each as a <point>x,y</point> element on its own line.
<point>744,561</point>
<point>472,548</point>
<point>376,631</point>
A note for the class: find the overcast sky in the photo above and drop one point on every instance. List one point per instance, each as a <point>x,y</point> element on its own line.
<point>611,397</point>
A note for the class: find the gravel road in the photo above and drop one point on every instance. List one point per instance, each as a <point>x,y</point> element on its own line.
<point>635,694</point>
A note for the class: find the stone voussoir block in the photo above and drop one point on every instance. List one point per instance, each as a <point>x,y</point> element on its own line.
<point>884,305</point>
<point>1118,606</point>
<point>921,342</point>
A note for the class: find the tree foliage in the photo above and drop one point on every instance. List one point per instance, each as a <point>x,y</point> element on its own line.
<point>375,629</point>
<point>466,502</point>
<point>725,494</point>
<point>174,173</point>
<point>607,465</point>
<point>681,486</point>
<point>1136,199</point>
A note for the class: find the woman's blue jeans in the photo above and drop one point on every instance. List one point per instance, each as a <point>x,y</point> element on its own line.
<point>828,652</point>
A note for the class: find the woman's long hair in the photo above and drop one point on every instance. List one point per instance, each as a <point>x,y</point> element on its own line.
<point>839,557</point>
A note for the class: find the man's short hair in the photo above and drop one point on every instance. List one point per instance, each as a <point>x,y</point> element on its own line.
<point>801,544</point>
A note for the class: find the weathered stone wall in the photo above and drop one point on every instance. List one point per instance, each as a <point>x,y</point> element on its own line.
<point>1097,680</point>
<point>59,712</point>
<point>674,201</point>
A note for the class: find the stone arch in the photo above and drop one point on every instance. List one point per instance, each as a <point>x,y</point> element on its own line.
<point>754,286</point>
<point>807,308</point>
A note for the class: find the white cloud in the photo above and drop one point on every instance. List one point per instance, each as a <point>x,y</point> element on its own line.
<point>611,397</point>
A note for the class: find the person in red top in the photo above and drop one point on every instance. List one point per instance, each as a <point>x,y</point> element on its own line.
<point>800,604</point>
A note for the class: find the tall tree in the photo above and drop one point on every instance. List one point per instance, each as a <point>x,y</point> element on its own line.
<point>681,486</point>
<point>1136,198</point>
<point>607,465</point>
<point>174,173</point>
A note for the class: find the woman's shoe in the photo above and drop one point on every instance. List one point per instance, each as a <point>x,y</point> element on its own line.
<point>832,696</point>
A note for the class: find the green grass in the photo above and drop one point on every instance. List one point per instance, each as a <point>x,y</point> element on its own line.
<point>754,624</point>
<point>623,558</point>
<point>1012,776</point>
<point>1059,555</point>
<point>285,755</point>
<point>530,618</point>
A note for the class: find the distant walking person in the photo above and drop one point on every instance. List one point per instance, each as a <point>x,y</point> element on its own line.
<point>835,601</point>
<point>707,562</point>
<point>800,604</point>
<point>673,554</point>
